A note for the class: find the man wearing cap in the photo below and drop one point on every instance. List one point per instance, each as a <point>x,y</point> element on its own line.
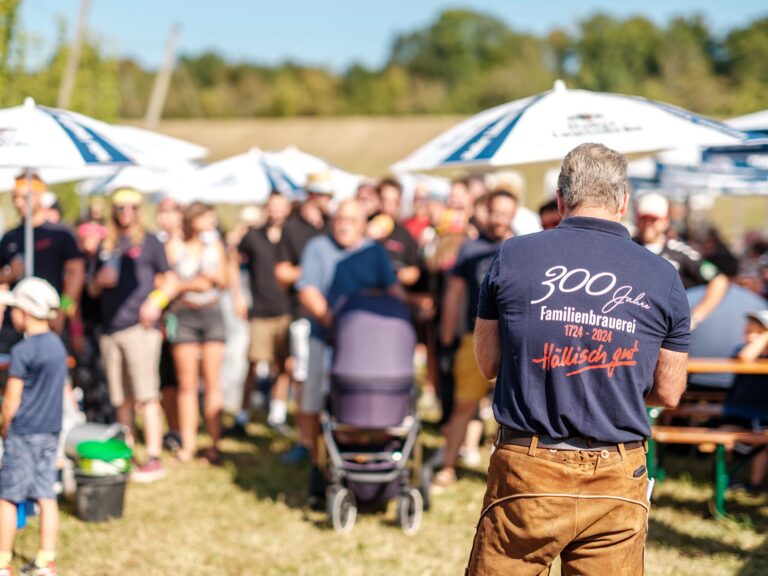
<point>58,260</point>
<point>133,282</point>
<point>652,219</point>
<point>581,328</point>
<point>310,219</point>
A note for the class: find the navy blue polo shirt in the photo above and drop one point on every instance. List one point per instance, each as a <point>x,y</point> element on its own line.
<point>583,312</point>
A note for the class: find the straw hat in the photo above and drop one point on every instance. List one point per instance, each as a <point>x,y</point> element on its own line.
<point>320,183</point>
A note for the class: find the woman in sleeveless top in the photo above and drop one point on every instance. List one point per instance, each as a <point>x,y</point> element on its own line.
<point>198,345</point>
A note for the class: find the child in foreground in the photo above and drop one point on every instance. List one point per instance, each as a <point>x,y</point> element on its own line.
<point>32,413</point>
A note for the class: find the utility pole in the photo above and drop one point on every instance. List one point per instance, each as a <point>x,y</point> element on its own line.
<point>162,80</point>
<point>73,60</point>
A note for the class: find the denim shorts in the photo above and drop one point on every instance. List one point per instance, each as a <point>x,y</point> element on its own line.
<point>29,467</point>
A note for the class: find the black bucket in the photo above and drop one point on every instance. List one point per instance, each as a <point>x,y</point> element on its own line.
<point>100,498</point>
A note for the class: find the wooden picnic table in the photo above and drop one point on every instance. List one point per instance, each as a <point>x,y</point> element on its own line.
<point>714,440</point>
<point>726,366</point>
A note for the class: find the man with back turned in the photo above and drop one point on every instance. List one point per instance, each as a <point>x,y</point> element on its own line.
<point>582,328</point>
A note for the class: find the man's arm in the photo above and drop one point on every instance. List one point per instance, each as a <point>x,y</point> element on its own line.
<point>408,275</point>
<point>314,302</point>
<point>233,271</point>
<point>11,402</point>
<point>452,299</point>
<point>487,347</point>
<point>716,290</point>
<point>166,289</point>
<point>72,290</point>
<point>669,379</point>
<point>287,274</point>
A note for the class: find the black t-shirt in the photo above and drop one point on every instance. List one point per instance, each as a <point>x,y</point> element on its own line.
<point>54,245</point>
<point>401,247</point>
<point>260,256</point>
<point>582,314</point>
<point>297,232</point>
<point>692,268</point>
<point>138,266</point>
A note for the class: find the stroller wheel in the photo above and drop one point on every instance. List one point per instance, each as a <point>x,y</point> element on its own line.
<point>410,509</point>
<point>342,510</point>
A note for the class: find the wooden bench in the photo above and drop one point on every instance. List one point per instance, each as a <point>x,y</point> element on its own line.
<point>704,396</point>
<point>708,440</point>
<point>690,410</point>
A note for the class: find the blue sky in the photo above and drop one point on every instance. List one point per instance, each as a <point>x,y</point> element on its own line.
<point>331,33</point>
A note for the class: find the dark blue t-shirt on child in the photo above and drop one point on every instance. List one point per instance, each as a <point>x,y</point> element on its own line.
<point>41,362</point>
<point>583,312</point>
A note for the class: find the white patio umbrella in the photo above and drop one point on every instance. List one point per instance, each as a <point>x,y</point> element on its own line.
<point>542,129</point>
<point>755,122</point>
<point>241,179</point>
<point>160,154</point>
<point>145,179</point>
<point>250,177</point>
<point>298,165</point>
<point>34,137</point>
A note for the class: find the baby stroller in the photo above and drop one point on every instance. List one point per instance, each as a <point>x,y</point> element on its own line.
<point>370,429</point>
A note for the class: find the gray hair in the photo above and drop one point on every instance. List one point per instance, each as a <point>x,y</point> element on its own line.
<point>593,175</point>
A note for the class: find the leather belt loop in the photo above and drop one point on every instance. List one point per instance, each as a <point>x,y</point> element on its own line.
<point>622,450</point>
<point>645,446</point>
<point>532,446</point>
<point>498,437</point>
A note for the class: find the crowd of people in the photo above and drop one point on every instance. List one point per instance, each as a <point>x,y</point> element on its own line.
<point>141,311</point>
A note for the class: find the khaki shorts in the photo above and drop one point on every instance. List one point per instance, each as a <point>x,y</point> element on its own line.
<point>471,385</point>
<point>132,362</point>
<point>269,339</point>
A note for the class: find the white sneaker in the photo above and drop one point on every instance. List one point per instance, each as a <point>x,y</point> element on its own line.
<point>470,458</point>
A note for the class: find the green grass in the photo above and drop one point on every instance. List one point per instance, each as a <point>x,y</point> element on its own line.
<point>247,518</point>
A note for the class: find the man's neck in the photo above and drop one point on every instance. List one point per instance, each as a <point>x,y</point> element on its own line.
<point>38,219</point>
<point>592,212</point>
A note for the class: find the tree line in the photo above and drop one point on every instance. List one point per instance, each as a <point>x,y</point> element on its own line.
<point>461,63</point>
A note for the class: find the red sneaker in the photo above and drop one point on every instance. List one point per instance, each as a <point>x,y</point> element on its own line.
<point>149,472</point>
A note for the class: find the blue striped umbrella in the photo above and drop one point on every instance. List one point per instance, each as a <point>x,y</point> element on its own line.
<point>34,137</point>
<point>542,129</point>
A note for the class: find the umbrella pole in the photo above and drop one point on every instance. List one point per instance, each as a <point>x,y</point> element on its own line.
<point>29,233</point>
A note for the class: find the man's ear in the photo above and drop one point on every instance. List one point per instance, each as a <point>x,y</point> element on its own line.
<point>624,205</point>
<point>560,204</point>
